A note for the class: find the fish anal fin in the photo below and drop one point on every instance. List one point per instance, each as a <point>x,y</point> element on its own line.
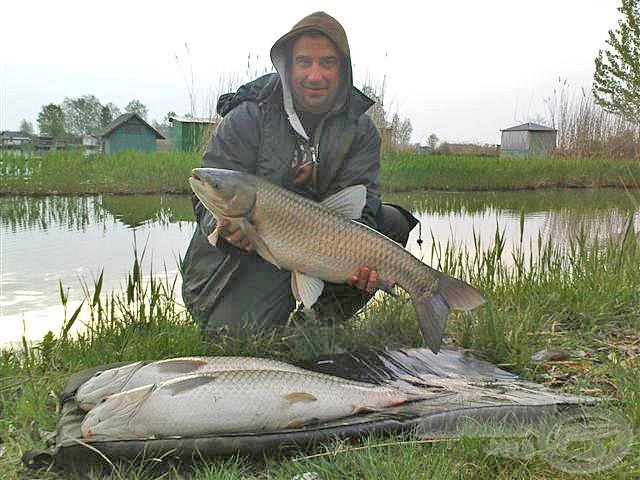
<point>302,422</point>
<point>348,202</point>
<point>300,397</point>
<point>254,237</point>
<point>306,289</point>
<point>357,409</point>
<point>185,384</point>
<point>182,365</point>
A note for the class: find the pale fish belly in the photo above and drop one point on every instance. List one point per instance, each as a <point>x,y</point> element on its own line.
<point>250,401</point>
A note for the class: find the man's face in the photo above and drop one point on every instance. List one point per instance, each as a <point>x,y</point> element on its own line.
<point>315,73</point>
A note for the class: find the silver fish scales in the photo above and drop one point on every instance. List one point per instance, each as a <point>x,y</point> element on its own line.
<point>138,374</point>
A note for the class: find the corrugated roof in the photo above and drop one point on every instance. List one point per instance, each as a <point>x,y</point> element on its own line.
<point>124,118</point>
<point>529,127</point>
<point>10,133</point>
<point>181,119</point>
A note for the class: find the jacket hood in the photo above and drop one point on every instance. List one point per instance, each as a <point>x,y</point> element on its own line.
<point>331,28</point>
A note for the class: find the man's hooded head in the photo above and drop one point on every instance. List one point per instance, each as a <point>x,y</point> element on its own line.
<point>314,63</point>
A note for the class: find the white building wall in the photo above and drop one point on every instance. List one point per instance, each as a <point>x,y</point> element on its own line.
<point>518,140</point>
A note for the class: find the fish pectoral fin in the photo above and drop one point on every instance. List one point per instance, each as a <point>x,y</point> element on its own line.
<point>185,384</point>
<point>297,397</point>
<point>302,422</point>
<point>183,365</point>
<point>261,247</point>
<point>213,237</point>
<point>348,202</point>
<point>306,289</point>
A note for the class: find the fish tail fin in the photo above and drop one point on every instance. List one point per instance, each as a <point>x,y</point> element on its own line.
<point>433,308</point>
<point>459,295</point>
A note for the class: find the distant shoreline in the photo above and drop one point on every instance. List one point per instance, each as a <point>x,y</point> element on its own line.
<point>70,173</point>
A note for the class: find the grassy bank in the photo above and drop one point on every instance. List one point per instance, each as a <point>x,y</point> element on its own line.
<point>72,172</point>
<point>583,298</point>
<point>404,172</point>
<point>164,172</point>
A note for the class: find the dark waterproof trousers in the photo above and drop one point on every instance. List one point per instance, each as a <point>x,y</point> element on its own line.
<point>246,291</point>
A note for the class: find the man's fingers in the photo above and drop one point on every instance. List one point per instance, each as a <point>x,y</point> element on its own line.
<point>226,229</point>
<point>238,239</point>
<point>363,278</point>
<point>303,174</point>
<point>372,283</point>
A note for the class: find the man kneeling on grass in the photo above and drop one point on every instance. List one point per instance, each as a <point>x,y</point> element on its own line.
<point>303,128</point>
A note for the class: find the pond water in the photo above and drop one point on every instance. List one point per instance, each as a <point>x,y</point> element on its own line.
<point>45,241</point>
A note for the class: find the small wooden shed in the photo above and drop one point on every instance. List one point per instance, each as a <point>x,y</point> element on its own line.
<point>130,132</point>
<point>191,134</point>
<point>528,140</point>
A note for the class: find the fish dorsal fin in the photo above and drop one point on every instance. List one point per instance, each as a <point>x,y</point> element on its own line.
<point>303,397</point>
<point>181,365</point>
<point>186,384</point>
<point>348,202</point>
<point>261,247</point>
<point>306,289</point>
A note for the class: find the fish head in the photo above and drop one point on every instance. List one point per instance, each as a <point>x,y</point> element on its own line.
<point>110,418</point>
<point>225,193</point>
<point>105,383</point>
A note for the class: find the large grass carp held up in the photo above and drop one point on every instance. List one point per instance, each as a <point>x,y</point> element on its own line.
<point>138,374</point>
<point>234,402</point>
<point>320,242</point>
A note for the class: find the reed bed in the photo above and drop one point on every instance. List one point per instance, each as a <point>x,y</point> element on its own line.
<point>586,129</point>
<point>582,297</point>
<point>164,172</point>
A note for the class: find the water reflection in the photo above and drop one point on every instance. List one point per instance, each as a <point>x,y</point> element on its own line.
<point>47,240</point>
<point>136,210</point>
<point>525,218</point>
<point>75,213</point>
<point>42,213</point>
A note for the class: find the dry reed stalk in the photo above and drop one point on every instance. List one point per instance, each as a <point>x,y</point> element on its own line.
<point>587,130</point>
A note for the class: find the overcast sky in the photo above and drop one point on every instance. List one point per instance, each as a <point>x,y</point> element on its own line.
<point>462,69</point>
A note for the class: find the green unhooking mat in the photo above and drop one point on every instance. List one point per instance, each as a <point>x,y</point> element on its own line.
<point>463,391</point>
